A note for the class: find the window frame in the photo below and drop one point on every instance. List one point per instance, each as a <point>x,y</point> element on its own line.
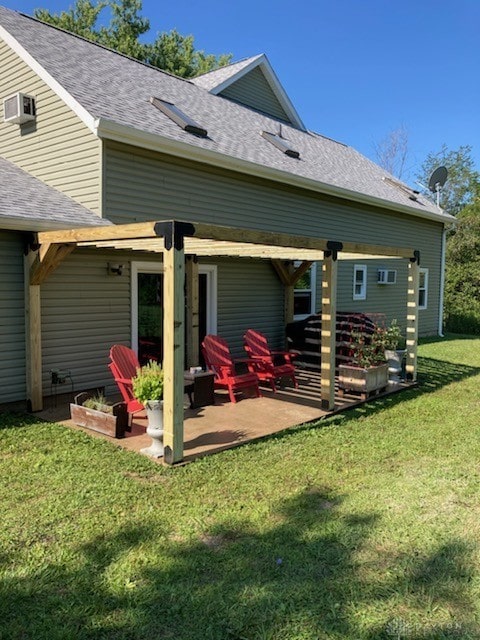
<point>423,271</point>
<point>363,293</point>
<point>312,290</point>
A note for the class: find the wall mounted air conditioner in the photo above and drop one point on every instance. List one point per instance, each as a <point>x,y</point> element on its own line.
<point>386,276</point>
<point>19,108</point>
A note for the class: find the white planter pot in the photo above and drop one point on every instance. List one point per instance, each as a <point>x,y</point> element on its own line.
<point>154,410</point>
<point>395,360</point>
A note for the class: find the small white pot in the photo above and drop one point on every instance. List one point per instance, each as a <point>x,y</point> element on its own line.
<point>154,410</point>
<point>395,360</point>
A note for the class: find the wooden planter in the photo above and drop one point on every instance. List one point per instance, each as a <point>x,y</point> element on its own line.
<point>367,381</point>
<point>110,424</point>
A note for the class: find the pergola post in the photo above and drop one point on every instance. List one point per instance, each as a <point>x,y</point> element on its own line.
<point>173,342</point>
<point>412,316</point>
<point>192,311</point>
<point>33,337</point>
<point>329,315</point>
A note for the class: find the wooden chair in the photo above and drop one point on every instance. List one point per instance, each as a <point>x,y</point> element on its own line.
<point>264,362</point>
<point>123,365</point>
<point>217,358</point>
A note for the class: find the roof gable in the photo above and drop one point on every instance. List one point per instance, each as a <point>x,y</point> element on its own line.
<point>253,83</point>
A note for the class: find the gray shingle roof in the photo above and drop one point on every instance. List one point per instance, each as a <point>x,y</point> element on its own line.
<point>30,202</point>
<point>111,86</point>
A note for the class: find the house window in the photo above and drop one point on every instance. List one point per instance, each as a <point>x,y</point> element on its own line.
<point>422,288</point>
<point>360,282</point>
<point>304,293</point>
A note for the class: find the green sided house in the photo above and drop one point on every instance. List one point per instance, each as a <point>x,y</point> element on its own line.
<point>99,151</point>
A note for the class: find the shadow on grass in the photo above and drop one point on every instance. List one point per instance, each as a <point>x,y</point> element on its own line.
<point>299,578</point>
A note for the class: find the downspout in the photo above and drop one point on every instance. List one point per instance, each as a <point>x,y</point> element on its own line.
<point>442,282</point>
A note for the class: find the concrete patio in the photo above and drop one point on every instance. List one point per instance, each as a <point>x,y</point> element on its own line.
<point>225,425</point>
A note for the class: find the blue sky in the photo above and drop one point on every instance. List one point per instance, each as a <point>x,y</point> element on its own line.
<point>355,69</point>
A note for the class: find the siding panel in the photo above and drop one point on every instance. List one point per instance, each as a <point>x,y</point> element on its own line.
<point>12,318</point>
<point>142,186</point>
<point>253,90</point>
<point>84,312</point>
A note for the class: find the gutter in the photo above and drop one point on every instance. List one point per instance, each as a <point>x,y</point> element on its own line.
<point>111,130</point>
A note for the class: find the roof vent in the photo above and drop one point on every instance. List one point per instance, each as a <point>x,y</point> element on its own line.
<point>19,108</point>
<point>180,118</point>
<point>281,144</point>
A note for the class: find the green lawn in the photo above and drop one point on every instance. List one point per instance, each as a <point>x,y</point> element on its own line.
<point>363,526</point>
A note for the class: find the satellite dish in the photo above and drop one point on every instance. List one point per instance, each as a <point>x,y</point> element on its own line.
<point>437,180</point>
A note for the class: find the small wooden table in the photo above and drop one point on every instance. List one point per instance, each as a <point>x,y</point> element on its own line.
<point>203,387</point>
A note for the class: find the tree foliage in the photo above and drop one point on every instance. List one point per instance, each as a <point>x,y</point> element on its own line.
<point>463,183</point>
<point>462,277</point>
<point>170,51</point>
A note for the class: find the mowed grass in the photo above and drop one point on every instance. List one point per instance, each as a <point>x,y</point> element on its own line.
<point>363,526</point>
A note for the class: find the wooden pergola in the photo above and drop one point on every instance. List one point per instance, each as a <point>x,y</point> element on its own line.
<point>180,244</point>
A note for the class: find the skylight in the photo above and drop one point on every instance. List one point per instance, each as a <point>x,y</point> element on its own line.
<point>176,115</point>
<point>411,193</point>
<point>281,144</point>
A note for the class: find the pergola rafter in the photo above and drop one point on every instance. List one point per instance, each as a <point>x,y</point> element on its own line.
<point>174,240</point>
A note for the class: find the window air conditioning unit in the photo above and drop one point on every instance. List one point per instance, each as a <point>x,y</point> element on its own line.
<point>19,108</point>
<point>387,276</point>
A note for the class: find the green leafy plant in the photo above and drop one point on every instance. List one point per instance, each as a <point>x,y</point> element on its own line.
<point>148,383</point>
<point>98,402</point>
<point>392,336</point>
<point>368,350</point>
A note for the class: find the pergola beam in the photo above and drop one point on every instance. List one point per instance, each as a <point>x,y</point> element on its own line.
<point>49,258</point>
<point>244,242</point>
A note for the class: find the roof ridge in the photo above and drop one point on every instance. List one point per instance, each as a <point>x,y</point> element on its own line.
<point>321,135</point>
<point>230,64</point>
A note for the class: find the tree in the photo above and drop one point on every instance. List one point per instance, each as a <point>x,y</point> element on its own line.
<point>80,19</point>
<point>392,151</point>
<point>125,28</point>
<point>462,277</point>
<point>170,51</point>
<point>176,53</point>
<point>463,183</point>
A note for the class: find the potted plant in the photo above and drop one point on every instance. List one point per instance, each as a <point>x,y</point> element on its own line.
<point>367,371</point>
<point>147,387</point>
<point>394,344</point>
<point>92,411</point>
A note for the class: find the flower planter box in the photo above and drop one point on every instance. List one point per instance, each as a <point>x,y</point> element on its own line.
<point>110,424</point>
<point>366,381</point>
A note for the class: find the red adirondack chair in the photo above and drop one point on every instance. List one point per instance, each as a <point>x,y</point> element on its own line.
<point>124,364</point>
<point>217,358</point>
<point>264,362</point>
